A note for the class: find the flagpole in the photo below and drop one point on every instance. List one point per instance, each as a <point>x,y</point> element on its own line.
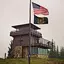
<point>29,32</point>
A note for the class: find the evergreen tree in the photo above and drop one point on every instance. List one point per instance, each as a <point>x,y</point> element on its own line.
<point>57,52</point>
<point>62,52</point>
<point>52,53</point>
<point>9,51</point>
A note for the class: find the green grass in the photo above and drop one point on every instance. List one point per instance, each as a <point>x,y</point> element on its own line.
<point>13,61</point>
<point>33,61</point>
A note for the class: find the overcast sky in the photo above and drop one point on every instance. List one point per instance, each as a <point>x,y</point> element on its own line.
<point>14,12</point>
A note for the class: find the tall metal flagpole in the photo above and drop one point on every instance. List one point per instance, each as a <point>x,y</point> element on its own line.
<point>29,32</point>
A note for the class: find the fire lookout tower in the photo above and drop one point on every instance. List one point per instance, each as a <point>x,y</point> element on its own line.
<point>20,43</point>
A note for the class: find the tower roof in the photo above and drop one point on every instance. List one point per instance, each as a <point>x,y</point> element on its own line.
<point>26,25</point>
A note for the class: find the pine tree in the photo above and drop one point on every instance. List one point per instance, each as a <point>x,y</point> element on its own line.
<point>52,53</point>
<point>62,52</point>
<point>9,51</point>
<point>57,52</point>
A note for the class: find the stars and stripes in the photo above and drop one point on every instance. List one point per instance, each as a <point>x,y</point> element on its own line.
<point>40,9</point>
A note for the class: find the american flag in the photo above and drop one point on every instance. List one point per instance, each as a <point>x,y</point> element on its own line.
<point>40,9</point>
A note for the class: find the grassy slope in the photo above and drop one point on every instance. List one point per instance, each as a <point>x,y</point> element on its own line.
<point>33,61</point>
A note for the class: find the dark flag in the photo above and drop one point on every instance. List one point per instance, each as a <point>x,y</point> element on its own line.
<point>40,9</point>
<point>40,20</point>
